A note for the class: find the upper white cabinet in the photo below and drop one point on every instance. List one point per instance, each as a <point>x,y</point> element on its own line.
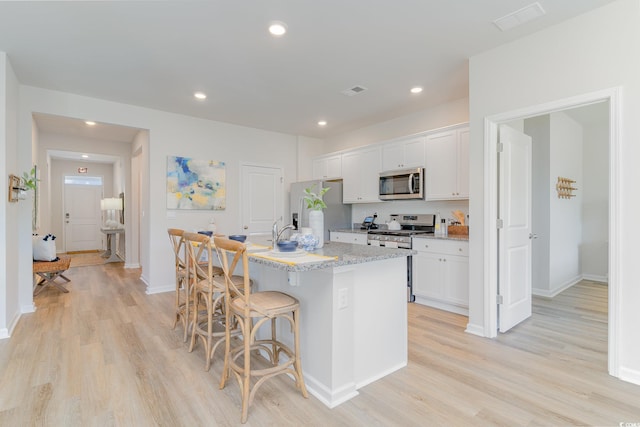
<point>326,167</point>
<point>403,154</point>
<point>360,175</point>
<point>447,165</point>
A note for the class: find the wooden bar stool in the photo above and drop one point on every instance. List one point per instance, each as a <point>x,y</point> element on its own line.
<point>48,271</point>
<point>208,319</point>
<point>251,311</point>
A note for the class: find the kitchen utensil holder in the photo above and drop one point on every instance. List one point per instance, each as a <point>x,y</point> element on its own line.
<point>565,188</point>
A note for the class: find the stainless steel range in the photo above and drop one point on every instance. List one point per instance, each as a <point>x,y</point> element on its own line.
<point>410,225</point>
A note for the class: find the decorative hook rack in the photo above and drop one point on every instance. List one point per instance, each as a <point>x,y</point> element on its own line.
<point>15,188</point>
<point>565,188</point>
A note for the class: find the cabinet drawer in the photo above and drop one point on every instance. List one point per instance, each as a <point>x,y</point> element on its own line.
<point>446,247</point>
<point>355,238</point>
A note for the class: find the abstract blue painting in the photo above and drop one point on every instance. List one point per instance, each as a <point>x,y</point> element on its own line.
<point>195,184</point>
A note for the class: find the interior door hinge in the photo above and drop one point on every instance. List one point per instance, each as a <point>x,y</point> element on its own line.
<point>499,147</point>
<point>281,180</point>
<point>499,223</point>
<point>499,299</point>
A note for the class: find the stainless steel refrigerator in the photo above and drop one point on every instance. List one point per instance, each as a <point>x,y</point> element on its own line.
<point>336,216</point>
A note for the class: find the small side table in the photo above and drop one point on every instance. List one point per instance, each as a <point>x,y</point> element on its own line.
<point>111,243</point>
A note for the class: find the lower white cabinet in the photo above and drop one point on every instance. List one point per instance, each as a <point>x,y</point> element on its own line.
<point>345,237</point>
<point>441,274</point>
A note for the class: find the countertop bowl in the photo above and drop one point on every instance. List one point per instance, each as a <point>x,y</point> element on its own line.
<point>287,245</point>
<point>238,237</point>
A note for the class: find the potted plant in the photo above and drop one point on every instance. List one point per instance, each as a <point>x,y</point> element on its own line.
<point>316,217</point>
<point>314,201</point>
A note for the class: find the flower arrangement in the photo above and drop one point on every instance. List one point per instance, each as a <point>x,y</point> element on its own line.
<point>314,201</point>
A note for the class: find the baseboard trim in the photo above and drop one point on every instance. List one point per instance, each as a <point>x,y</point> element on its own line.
<point>552,293</point>
<point>629,375</point>
<point>475,330</point>
<point>595,278</point>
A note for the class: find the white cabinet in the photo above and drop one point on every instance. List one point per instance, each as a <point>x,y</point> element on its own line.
<point>441,274</point>
<point>345,237</point>
<point>447,165</point>
<point>403,154</point>
<point>360,175</point>
<point>327,167</point>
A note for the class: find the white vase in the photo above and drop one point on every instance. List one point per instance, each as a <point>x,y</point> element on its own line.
<point>316,222</point>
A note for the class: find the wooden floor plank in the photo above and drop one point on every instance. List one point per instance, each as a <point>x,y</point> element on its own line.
<point>105,354</point>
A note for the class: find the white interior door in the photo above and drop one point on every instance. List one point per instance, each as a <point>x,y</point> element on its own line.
<point>82,217</point>
<point>514,238</point>
<point>262,201</point>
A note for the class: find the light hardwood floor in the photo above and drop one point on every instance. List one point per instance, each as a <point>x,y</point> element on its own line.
<point>105,354</point>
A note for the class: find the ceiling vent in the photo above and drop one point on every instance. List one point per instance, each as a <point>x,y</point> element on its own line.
<point>354,90</point>
<point>519,17</point>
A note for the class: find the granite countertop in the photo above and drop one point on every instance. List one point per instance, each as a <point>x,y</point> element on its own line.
<point>347,254</point>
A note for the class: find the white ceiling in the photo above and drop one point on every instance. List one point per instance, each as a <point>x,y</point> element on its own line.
<point>157,53</point>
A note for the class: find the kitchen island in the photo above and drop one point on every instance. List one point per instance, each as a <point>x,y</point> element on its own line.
<point>353,314</point>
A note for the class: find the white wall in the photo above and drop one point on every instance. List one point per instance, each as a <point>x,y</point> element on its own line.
<point>10,213</point>
<point>565,227</point>
<point>592,52</point>
<point>538,129</point>
<point>595,202</point>
<point>448,114</point>
<point>308,148</point>
<point>171,134</point>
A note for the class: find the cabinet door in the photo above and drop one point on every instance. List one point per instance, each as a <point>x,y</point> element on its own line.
<point>327,167</point>
<point>414,153</point>
<point>441,173</point>
<point>427,275</point>
<point>456,279</point>
<point>319,168</point>
<point>370,164</point>
<point>463,163</point>
<point>403,154</point>
<point>361,173</point>
<point>350,177</point>
<point>392,157</point>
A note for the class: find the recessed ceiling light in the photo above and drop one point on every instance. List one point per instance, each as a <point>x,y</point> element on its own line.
<point>278,29</point>
<point>90,123</point>
<point>85,156</point>
<point>200,95</point>
<point>322,123</point>
<point>416,89</point>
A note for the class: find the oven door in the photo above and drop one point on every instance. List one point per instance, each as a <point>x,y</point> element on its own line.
<point>402,185</point>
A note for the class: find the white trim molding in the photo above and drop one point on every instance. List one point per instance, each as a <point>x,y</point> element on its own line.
<point>613,95</point>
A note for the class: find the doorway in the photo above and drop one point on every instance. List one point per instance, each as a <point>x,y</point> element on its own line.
<point>82,216</point>
<point>491,201</point>
<point>262,200</point>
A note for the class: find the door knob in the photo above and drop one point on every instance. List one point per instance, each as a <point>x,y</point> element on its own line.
<point>246,227</point>
<point>533,236</point>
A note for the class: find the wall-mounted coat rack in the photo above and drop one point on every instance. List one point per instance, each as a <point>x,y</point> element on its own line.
<point>565,188</point>
<point>15,188</point>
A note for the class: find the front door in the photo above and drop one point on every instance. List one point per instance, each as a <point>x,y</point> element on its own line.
<point>262,201</point>
<point>514,235</point>
<point>82,217</point>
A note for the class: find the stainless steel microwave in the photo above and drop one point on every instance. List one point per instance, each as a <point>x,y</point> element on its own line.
<point>405,184</point>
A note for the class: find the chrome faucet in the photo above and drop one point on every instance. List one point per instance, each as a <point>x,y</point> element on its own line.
<point>275,233</point>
